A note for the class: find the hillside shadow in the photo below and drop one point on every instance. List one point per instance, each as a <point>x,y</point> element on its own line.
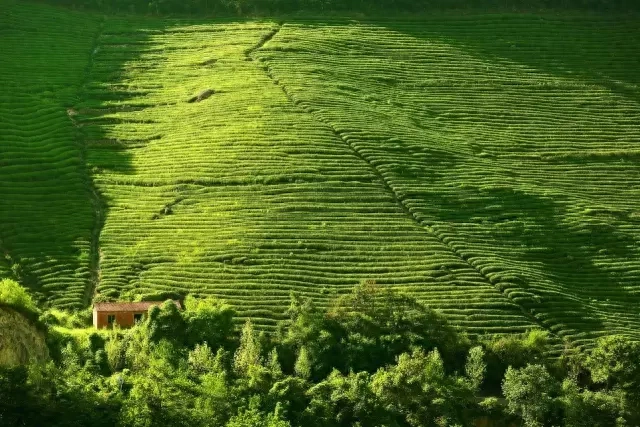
<point>599,51</point>
<point>415,161</point>
<point>538,232</point>
<point>532,229</point>
<point>589,49</point>
<point>54,141</point>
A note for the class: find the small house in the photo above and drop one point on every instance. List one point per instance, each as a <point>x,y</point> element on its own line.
<point>124,314</point>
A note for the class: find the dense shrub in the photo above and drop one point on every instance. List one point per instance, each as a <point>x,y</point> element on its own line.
<point>15,296</point>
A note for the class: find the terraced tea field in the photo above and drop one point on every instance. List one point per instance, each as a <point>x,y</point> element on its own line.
<point>45,209</point>
<point>486,164</point>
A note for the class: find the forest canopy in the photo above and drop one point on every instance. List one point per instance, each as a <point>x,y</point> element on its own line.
<point>374,358</point>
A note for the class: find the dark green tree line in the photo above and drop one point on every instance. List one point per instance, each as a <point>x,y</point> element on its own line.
<point>375,358</point>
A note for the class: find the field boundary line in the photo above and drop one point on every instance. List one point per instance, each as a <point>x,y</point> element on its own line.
<point>263,40</point>
<point>397,198</point>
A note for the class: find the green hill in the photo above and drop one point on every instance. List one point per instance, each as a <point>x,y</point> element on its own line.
<point>484,163</point>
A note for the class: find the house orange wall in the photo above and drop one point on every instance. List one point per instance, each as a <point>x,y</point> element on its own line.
<point>124,319</point>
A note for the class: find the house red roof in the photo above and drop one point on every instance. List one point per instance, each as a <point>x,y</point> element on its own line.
<point>128,306</point>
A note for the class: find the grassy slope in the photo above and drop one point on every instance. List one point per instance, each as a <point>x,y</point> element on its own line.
<point>45,214</point>
<point>485,164</point>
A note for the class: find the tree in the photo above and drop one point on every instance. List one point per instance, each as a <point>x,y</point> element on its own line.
<point>530,393</point>
<point>159,396</point>
<point>15,399</point>
<point>513,350</point>
<point>342,400</point>
<point>290,395</point>
<point>585,408</point>
<point>614,361</point>
<point>201,360</point>
<point>274,365</point>
<point>303,364</point>
<point>253,417</point>
<point>418,391</point>
<point>308,327</point>
<point>116,350</point>
<point>209,320</point>
<point>249,352</point>
<point>475,367</point>
<point>166,322</point>
<point>375,325</point>
<point>215,401</point>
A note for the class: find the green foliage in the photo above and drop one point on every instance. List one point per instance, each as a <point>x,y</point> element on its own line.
<point>585,408</point>
<point>165,322</point>
<point>249,353</point>
<point>376,325</point>
<point>15,296</point>
<point>291,394</point>
<point>54,396</point>
<point>141,377</point>
<point>210,321</point>
<point>346,401</point>
<point>308,327</point>
<point>303,364</point>
<point>614,361</point>
<point>530,392</point>
<point>514,350</point>
<point>14,397</point>
<point>215,401</point>
<point>274,364</point>
<point>475,367</point>
<point>67,319</point>
<point>201,360</point>
<point>418,391</point>
<point>115,349</point>
<point>253,417</point>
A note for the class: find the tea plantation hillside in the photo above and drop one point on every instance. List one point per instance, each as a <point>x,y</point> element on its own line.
<point>46,215</point>
<point>486,164</point>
